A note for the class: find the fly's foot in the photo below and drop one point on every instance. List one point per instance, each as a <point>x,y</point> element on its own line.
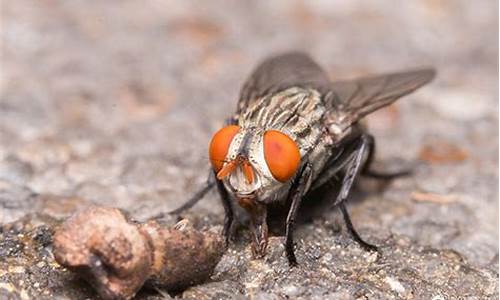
<point>292,260</point>
<point>365,245</point>
<point>368,247</point>
<point>290,252</point>
<point>228,237</point>
<point>259,248</point>
<point>259,251</point>
<point>259,244</point>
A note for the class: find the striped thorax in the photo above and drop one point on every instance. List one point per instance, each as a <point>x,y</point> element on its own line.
<point>296,112</point>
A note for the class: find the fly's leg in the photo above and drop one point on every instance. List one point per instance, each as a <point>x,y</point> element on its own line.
<point>368,172</point>
<point>352,170</point>
<point>228,210</point>
<point>224,196</point>
<point>197,196</point>
<point>296,195</point>
<point>352,230</point>
<point>258,217</point>
<point>350,159</point>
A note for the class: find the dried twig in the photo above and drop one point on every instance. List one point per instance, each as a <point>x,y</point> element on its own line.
<point>117,257</point>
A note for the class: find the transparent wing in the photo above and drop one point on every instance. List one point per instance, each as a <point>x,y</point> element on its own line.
<point>280,72</point>
<point>359,97</point>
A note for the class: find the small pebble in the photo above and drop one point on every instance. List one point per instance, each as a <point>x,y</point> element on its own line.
<point>395,285</point>
<point>291,290</point>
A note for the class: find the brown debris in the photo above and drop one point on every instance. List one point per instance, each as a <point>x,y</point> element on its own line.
<point>433,198</point>
<point>117,256</point>
<point>442,152</point>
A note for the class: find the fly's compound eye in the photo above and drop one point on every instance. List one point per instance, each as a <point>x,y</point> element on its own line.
<point>282,155</point>
<point>219,146</point>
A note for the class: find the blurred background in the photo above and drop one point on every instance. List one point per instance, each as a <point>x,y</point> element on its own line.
<point>115,102</point>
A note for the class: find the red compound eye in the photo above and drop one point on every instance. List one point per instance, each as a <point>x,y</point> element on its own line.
<point>219,146</point>
<point>282,155</point>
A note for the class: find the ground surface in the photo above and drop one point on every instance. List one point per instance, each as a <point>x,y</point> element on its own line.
<point>114,104</point>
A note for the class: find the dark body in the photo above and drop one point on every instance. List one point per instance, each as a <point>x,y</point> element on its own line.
<point>291,93</point>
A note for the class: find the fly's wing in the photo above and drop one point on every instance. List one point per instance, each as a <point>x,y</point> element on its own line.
<point>359,97</point>
<point>293,69</point>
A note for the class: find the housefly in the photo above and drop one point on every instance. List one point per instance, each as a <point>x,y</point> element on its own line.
<point>293,132</point>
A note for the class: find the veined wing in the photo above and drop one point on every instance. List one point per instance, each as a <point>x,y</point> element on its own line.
<point>277,73</point>
<point>359,97</point>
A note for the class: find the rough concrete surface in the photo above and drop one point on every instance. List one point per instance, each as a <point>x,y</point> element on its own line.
<point>114,102</point>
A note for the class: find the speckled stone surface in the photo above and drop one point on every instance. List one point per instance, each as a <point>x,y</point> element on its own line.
<point>114,104</point>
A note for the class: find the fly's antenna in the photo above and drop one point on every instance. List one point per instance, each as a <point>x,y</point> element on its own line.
<point>227,169</point>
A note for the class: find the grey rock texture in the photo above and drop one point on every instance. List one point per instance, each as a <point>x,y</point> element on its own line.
<point>114,103</point>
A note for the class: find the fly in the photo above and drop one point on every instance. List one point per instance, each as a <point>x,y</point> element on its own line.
<point>293,132</point>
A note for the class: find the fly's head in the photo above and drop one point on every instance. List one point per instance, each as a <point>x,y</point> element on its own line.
<point>254,165</point>
<point>252,162</point>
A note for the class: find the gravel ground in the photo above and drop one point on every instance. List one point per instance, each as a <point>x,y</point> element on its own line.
<point>114,104</point>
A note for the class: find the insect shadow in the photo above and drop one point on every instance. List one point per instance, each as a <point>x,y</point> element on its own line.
<point>314,206</point>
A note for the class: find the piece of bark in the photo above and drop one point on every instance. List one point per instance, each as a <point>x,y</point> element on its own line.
<point>117,256</point>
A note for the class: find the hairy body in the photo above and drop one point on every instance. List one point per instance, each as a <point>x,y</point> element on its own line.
<point>292,133</point>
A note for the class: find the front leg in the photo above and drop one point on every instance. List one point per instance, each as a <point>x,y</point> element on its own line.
<point>228,209</point>
<point>296,194</point>
<point>224,195</point>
